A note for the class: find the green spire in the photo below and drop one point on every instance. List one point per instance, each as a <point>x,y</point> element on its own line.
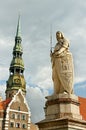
<point>18,39</point>
<point>16,79</point>
<point>18,33</point>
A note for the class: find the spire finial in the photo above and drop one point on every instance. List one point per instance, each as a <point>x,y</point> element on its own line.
<point>18,33</point>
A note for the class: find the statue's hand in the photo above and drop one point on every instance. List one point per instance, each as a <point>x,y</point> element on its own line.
<point>57,53</point>
<point>60,51</point>
<point>51,54</point>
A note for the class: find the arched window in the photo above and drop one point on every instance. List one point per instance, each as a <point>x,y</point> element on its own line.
<point>23,126</point>
<point>17,125</point>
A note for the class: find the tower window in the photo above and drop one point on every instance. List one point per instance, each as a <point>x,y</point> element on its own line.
<point>9,95</point>
<point>17,70</point>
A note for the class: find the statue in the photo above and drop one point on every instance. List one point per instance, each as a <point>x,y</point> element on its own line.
<point>62,66</point>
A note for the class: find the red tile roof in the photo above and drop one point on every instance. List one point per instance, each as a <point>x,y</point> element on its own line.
<point>4,104</point>
<point>83,107</point>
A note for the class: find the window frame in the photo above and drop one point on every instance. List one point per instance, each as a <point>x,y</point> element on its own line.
<point>17,125</point>
<point>13,116</point>
<point>11,124</point>
<point>23,117</point>
<point>24,126</point>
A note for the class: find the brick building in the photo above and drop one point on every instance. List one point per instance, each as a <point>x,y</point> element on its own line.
<point>15,113</point>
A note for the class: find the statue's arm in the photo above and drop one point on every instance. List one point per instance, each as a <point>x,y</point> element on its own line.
<point>65,43</point>
<point>65,46</point>
<point>60,51</point>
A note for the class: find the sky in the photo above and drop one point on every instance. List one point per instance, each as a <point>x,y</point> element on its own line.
<point>67,16</point>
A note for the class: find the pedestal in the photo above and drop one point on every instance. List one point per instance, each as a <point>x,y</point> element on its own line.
<point>62,124</point>
<point>62,113</point>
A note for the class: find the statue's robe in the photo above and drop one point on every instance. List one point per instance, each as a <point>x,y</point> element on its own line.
<point>62,70</point>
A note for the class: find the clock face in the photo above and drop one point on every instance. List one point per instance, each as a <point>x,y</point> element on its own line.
<point>16,80</point>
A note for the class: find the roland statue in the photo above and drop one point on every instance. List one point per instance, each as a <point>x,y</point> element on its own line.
<point>62,66</point>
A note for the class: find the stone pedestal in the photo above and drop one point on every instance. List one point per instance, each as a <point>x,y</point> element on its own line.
<point>62,105</point>
<point>62,124</point>
<point>62,113</point>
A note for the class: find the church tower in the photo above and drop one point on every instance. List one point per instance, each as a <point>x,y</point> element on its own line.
<point>16,79</point>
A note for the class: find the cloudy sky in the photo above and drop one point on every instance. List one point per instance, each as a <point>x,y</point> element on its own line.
<point>68,16</point>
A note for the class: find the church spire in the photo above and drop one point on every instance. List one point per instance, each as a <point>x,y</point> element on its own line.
<point>18,32</point>
<point>16,79</point>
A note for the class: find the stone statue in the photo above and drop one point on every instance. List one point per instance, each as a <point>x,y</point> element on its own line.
<point>62,66</point>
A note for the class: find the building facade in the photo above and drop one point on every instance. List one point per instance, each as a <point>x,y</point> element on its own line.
<point>17,113</point>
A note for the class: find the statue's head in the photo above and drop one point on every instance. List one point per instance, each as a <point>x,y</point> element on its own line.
<point>59,35</point>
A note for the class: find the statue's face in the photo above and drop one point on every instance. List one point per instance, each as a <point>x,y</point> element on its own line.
<point>58,35</point>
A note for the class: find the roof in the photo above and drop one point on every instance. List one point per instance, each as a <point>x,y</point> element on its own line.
<point>4,104</point>
<point>83,107</point>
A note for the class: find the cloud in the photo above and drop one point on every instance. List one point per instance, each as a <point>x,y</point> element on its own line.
<point>43,78</point>
<point>36,100</point>
<point>3,73</point>
<point>36,18</point>
<point>2,90</point>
